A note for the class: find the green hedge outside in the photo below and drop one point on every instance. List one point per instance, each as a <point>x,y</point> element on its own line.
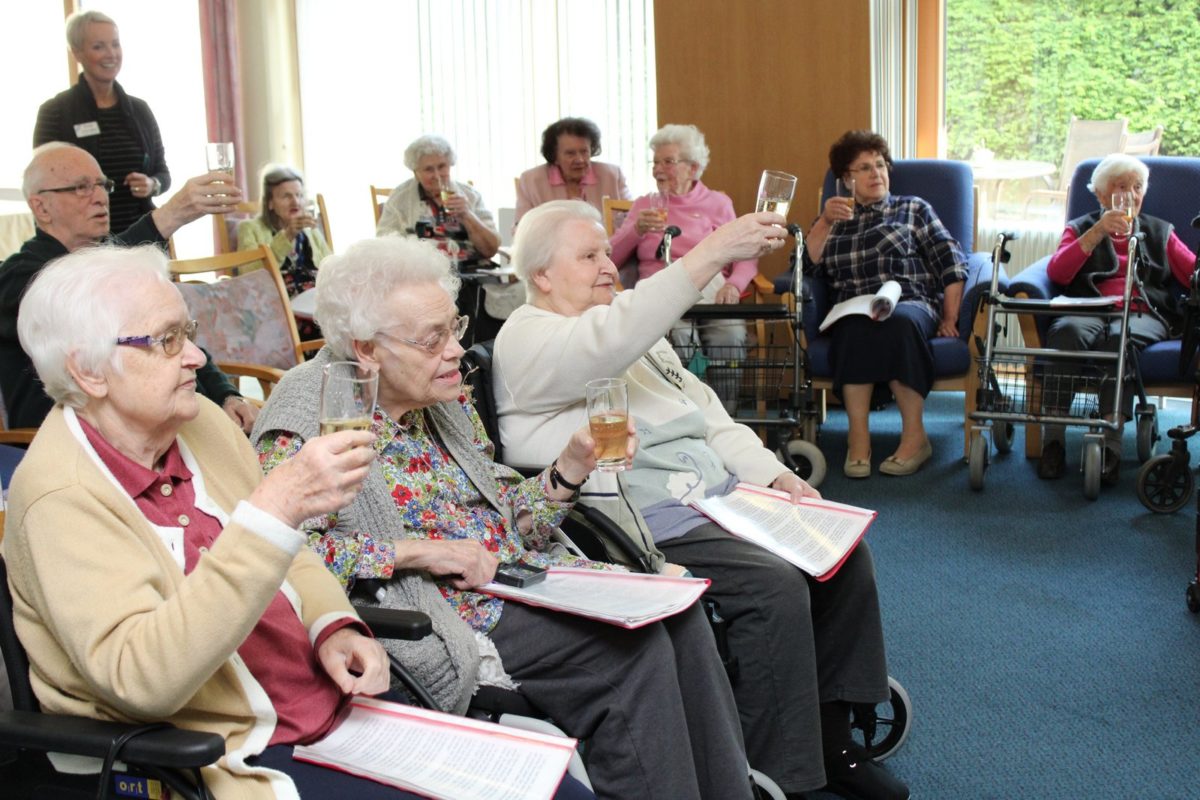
<point>1016,70</point>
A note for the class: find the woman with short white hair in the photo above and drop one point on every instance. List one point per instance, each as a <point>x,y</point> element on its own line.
<point>433,206</point>
<point>1090,262</point>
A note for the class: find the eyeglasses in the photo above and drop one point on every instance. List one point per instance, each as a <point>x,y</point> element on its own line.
<point>436,341</point>
<point>878,166</point>
<point>668,162</point>
<point>171,341</point>
<point>84,188</point>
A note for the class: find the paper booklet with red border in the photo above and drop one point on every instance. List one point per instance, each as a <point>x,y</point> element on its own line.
<point>440,755</point>
<point>815,535</point>
<point>625,599</point>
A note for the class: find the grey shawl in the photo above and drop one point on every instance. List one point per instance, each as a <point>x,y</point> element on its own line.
<point>448,661</point>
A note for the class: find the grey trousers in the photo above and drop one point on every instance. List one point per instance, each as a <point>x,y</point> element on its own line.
<point>799,643</point>
<point>653,704</point>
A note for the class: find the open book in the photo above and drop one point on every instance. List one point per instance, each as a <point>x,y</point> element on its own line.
<point>878,306</point>
<point>441,755</point>
<point>815,535</point>
<point>625,599</point>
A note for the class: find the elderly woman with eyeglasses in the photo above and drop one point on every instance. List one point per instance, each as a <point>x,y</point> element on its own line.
<point>654,703</point>
<point>857,244</point>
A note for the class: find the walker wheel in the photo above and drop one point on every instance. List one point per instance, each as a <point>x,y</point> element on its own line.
<point>1147,431</point>
<point>977,459</point>
<point>805,459</point>
<point>1193,598</point>
<point>1002,436</point>
<point>1164,484</point>
<point>1092,455</point>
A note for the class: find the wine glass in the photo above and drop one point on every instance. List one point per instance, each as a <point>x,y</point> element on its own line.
<point>660,205</point>
<point>348,393</point>
<point>219,157</point>
<point>845,188</point>
<point>1122,200</point>
<point>775,190</point>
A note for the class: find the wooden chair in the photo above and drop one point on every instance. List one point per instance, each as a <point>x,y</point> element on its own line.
<point>379,196</point>
<point>1144,143</point>
<point>1086,138</point>
<point>225,225</point>
<point>614,214</point>
<point>246,322</point>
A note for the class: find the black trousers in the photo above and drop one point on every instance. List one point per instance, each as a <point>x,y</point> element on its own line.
<point>799,643</point>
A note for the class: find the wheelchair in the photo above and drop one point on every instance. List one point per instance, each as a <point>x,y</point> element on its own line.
<point>880,729</point>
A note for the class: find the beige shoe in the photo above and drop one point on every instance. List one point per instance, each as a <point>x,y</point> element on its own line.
<point>857,468</point>
<point>907,466</point>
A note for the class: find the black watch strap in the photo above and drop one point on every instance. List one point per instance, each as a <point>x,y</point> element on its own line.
<point>558,481</point>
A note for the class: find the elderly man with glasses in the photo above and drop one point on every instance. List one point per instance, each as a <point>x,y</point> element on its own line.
<point>68,195</point>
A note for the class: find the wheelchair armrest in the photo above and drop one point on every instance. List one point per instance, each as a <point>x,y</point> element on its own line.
<point>598,524</point>
<point>394,623</point>
<point>977,284</point>
<point>172,748</point>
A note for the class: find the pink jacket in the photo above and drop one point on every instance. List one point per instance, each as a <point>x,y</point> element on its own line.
<point>697,214</point>
<point>544,183</point>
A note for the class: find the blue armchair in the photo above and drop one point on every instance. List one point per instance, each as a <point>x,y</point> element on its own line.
<point>1171,195</point>
<point>948,187</point>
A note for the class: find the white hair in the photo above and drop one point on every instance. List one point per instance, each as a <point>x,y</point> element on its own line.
<point>75,308</point>
<point>77,26</point>
<point>354,285</point>
<point>428,145</point>
<point>1114,166</point>
<point>538,236</point>
<point>690,141</point>
<point>35,172</point>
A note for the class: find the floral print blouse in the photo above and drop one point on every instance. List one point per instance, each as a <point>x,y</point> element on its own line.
<point>436,500</point>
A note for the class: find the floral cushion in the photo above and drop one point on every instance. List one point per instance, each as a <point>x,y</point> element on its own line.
<point>242,319</point>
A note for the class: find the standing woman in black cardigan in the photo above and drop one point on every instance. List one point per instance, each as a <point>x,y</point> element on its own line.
<point>97,114</point>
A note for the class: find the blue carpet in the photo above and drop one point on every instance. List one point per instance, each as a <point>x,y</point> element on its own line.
<point>1044,639</point>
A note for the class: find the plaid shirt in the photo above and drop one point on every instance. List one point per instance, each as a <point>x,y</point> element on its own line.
<point>899,239</point>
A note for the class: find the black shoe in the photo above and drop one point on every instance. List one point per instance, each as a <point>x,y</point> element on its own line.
<point>1053,463</point>
<point>1110,475</point>
<point>853,775</point>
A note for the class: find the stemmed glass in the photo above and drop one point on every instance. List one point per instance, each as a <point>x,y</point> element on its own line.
<point>1123,201</point>
<point>775,190</point>
<point>845,188</point>
<point>659,204</point>
<point>348,393</point>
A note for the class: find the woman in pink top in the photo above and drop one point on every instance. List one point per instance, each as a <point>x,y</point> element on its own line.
<point>569,173</point>
<point>1090,262</point>
<point>680,156</point>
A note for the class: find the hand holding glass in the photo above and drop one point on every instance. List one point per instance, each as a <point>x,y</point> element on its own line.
<point>348,392</point>
<point>608,420</point>
<point>845,188</point>
<point>775,190</point>
<point>1123,201</point>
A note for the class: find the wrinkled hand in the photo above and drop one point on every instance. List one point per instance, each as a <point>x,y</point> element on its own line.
<point>322,478</point>
<point>578,458</point>
<point>457,205</point>
<point>838,209</point>
<point>728,295</point>
<point>298,223</point>
<point>948,327</point>
<point>1113,224</point>
<point>649,220</point>
<point>796,487</point>
<point>240,411</point>
<point>211,193</point>
<point>357,664</point>
<point>749,236</point>
<point>140,185</point>
<point>465,563</point>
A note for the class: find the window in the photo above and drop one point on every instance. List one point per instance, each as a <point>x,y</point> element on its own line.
<point>489,75</point>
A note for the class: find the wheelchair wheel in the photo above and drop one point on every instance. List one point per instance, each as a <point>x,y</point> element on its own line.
<point>977,459</point>
<point>1147,431</point>
<point>1092,463</point>
<point>1002,436</point>
<point>1163,485</point>
<point>1193,597</point>
<point>881,729</point>
<point>805,459</point>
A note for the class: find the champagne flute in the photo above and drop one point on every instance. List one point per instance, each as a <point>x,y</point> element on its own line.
<point>775,190</point>
<point>446,190</point>
<point>348,393</point>
<point>660,205</point>
<point>845,188</point>
<point>1122,200</point>
<point>219,157</point>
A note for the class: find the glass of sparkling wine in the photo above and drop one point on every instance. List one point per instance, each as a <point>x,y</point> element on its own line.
<point>845,188</point>
<point>219,157</point>
<point>659,204</point>
<point>1123,201</point>
<point>608,419</point>
<point>348,392</point>
<point>775,190</point>
<point>446,190</point>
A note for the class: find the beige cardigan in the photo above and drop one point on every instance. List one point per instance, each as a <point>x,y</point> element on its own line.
<point>113,628</point>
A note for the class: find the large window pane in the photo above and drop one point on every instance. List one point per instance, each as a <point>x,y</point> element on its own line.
<point>488,75</point>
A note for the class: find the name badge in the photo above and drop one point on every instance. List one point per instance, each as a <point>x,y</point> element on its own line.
<point>87,129</point>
